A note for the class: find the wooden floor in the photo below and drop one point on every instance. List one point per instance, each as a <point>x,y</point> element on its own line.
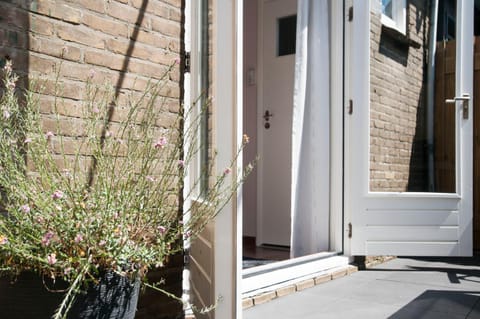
<point>250,250</point>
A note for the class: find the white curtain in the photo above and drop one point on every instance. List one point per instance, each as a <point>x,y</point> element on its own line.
<point>311,131</point>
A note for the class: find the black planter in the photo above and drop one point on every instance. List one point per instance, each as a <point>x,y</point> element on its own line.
<point>115,297</point>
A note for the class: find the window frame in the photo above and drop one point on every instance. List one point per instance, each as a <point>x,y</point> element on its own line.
<point>398,21</point>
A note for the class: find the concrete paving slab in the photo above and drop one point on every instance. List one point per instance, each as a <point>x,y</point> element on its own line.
<point>401,288</point>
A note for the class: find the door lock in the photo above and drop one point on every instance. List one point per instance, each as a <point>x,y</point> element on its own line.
<point>465,98</point>
<point>267,116</point>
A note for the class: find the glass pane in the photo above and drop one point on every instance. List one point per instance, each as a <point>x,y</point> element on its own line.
<point>287,35</point>
<point>412,129</point>
<point>387,8</point>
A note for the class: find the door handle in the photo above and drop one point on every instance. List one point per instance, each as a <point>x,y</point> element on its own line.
<point>267,115</point>
<point>465,98</point>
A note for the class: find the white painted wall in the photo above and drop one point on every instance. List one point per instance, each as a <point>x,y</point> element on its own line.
<point>250,115</point>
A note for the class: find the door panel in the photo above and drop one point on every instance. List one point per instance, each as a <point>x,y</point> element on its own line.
<point>411,192</point>
<point>277,57</point>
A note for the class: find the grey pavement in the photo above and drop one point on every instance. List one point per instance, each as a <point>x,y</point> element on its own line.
<point>402,288</point>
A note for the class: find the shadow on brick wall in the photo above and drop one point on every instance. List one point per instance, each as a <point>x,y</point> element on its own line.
<point>14,42</point>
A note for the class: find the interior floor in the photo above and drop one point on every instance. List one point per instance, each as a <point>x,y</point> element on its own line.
<point>257,256</point>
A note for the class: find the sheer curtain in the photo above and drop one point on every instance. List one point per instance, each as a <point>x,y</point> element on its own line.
<point>311,130</point>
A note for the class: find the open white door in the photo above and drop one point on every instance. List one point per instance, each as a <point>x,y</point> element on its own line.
<point>434,223</point>
<point>215,31</point>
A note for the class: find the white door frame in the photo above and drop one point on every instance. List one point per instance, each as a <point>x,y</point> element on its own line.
<point>228,132</point>
<point>227,31</point>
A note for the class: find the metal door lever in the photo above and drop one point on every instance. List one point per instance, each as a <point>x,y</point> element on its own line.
<point>465,98</point>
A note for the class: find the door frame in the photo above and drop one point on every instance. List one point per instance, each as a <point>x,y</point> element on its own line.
<point>227,49</point>
<point>260,135</point>
<point>337,112</point>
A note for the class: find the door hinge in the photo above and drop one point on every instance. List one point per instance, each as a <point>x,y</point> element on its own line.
<point>350,14</point>
<point>350,106</point>
<point>349,230</point>
<point>187,62</point>
<point>186,257</point>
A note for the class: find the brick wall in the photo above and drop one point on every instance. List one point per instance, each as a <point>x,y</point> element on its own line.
<point>397,129</point>
<point>124,42</point>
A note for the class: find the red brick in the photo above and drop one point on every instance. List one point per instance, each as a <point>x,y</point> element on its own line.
<point>94,5</point>
<point>56,10</point>
<point>122,12</point>
<point>105,24</point>
<point>106,59</point>
<point>41,25</point>
<point>166,27</point>
<point>80,35</point>
<point>54,48</point>
<point>151,38</point>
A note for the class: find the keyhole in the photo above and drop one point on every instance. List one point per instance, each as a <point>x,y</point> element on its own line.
<point>267,125</point>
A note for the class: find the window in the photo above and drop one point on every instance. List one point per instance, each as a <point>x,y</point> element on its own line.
<point>394,14</point>
<point>287,35</point>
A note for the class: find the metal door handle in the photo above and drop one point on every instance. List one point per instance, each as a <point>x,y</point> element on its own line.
<point>465,98</point>
<point>267,115</point>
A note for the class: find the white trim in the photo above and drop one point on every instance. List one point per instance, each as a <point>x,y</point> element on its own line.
<point>336,125</point>
<point>398,21</point>
<point>358,90</point>
<point>227,118</point>
<point>464,78</point>
<point>259,232</point>
<point>260,279</point>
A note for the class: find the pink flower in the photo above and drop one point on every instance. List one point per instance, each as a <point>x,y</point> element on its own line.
<point>27,140</point>
<point>181,163</point>
<point>188,234</point>
<point>102,243</point>
<point>108,133</point>
<point>162,229</point>
<point>227,171</point>
<point>8,66</point>
<point>78,238</point>
<point>162,141</point>
<point>25,208</point>
<point>57,194</point>
<point>6,114</point>
<point>95,110</point>
<point>49,134</point>
<point>67,270</point>
<point>3,240</point>
<point>91,73</point>
<point>150,178</point>
<point>52,258</point>
<point>47,237</point>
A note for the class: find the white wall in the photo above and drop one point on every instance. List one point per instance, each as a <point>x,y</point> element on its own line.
<point>250,115</point>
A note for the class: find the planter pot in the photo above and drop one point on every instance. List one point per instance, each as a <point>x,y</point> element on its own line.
<point>115,297</point>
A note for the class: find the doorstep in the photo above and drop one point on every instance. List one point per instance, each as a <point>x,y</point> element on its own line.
<point>267,294</point>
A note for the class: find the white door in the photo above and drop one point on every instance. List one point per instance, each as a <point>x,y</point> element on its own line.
<point>436,223</point>
<point>277,60</point>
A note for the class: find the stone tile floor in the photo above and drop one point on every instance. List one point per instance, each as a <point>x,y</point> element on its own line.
<point>401,288</point>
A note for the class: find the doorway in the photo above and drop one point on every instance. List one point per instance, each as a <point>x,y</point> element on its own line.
<point>269,73</point>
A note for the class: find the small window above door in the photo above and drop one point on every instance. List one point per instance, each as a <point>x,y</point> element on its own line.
<point>286,35</point>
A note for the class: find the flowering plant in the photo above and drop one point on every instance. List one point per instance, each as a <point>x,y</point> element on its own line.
<point>109,198</point>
